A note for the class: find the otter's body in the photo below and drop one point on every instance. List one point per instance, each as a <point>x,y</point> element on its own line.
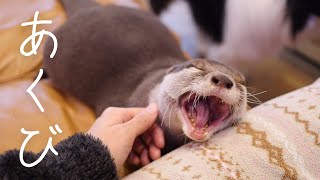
<point>106,55</point>
<point>116,56</point>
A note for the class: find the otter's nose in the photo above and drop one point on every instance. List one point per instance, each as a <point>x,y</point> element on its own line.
<point>222,81</point>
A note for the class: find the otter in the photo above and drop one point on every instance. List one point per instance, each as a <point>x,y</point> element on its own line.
<point>117,56</point>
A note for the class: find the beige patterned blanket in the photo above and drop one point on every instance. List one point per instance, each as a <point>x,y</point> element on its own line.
<point>276,140</point>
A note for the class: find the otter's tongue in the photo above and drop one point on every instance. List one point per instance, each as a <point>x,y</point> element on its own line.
<point>202,114</point>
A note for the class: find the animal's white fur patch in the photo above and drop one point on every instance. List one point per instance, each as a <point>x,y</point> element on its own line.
<point>174,85</point>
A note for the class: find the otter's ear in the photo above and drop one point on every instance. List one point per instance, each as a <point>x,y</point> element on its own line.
<point>179,67</point>
<point>240,78</point>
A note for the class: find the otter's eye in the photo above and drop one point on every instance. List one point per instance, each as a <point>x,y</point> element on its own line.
<point>240,79</point>
<point>179,67</point>
<point>243,82</point>
<point>185,65</point>
<point>192,65</point>
<point>189,65</point>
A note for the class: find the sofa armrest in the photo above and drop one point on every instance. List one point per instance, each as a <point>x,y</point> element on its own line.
<point>276,140</point>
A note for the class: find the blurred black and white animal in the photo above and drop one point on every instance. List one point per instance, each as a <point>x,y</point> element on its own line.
<point>230,30</point>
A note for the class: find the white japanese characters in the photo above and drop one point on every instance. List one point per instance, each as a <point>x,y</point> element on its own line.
<point>35,45</point>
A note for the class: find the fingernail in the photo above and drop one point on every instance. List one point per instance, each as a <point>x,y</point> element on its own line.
<point>152,108</point>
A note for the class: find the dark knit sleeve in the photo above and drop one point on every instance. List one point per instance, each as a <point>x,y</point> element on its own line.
<point>80,157</point>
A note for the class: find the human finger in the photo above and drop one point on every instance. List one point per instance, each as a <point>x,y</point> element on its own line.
<point>115,115</point>
<point>143,121</point>
<point>133,159</point>
<point>157,136</point>
<point>144,158</point>
<point>154,152</point>
<point>138,146</point>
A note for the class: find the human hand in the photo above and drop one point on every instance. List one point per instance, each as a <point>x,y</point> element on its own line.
<point>130,133</point>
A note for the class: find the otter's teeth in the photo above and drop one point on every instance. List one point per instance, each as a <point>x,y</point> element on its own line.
<point>190,115</point>
<point>205,128</point>
<point>192,120</point>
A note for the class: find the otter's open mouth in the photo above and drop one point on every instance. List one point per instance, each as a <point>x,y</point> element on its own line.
<point>203,114</point>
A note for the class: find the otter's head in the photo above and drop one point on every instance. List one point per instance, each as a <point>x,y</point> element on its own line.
<point>200,97</point>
